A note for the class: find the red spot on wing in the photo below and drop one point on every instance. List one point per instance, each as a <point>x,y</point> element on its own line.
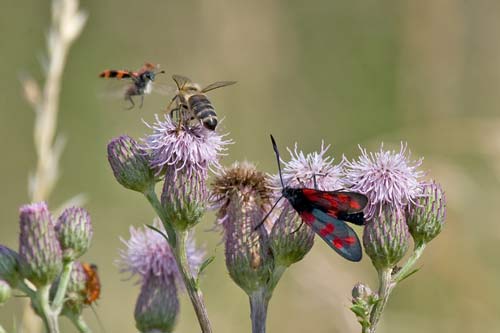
<point>355,205</point>
<point>337,242</point>
<point>326,230</point>
<point>307,217</point>
<point>350,240</point>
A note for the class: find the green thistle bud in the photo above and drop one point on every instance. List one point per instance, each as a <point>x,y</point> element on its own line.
<point>9,265</point>
<point>386,238</point>
<point>5,292</point>
<point>40,255</point>
<point>289,244</point>
<point>363,300</point>
<point>242,194</point>
<point>426,218</point>
<point>74,231</point>
<point>130,165</point>
<point>157,307</point>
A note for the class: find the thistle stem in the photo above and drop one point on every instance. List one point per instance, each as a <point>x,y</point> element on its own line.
<point>80,324</point>
<point>195,294</point>
<point>57,304</point>
<point>387,282</point>
<point>49,317</point>
<point>259,301</point>
<point>150,194</point>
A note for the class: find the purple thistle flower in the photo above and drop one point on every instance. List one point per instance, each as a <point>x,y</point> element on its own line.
<point>74,231</point>
<point>185,147</point>
<point>148,253</point>
<point>157,306</point>
<point>288,244</point>
<point>40,254</point>
<point>386,178</point>
<point>184,154</point>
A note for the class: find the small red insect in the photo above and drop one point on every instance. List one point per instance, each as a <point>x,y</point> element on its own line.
<point>142,81</point>
<point>325,212</point>
<point>93,284</point>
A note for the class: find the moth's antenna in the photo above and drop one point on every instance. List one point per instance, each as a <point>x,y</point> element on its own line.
<point>275,147</point>
<point>268,213</point>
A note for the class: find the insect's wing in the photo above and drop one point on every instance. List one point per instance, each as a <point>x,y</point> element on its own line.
<point>218,84</point>
<point>346,206</point>
<point>337,234</point>
<point>180,80</point>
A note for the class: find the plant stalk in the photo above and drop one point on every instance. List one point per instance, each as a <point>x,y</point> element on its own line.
<point>384,290</point>
<point>194,293</point>
<point>80,324</point>
<point>150,194</point>
<point>57,304</point>
<point>49,317</point>
<point>259,302</point>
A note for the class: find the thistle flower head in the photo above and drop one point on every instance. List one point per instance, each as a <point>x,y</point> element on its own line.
<point>183,147</point>
<point>5,291</point>
<point>148,253</point>
<point>242,197</point>
<point>289,243</point>
<point>40,254</point>
<point>157,306</point>
<point>9,265</point>
<point>386,178</point>
<point>74,231</point>
<point>184,154</point>
<point>386,238</point>
<point>426,218</point>
<point>130,164</point>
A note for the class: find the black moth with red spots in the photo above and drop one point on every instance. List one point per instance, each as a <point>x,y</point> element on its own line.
<point>326,211</point>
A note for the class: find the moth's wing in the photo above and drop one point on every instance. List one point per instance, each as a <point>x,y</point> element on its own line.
<point>346,206</point>
<point>336,233</point>
<point>218,84</point>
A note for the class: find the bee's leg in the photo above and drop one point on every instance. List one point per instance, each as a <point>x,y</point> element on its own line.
<point>300,226</point>
<point>315,183</point>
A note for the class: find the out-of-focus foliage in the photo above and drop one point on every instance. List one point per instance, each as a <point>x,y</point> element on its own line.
<point>426,72</point>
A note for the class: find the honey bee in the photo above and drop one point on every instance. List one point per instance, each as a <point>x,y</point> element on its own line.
<point>142,81</point>
<point>93,284</point>
<point>191,98</point>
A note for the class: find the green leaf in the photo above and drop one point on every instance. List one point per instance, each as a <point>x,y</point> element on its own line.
<point>152,227</point>
<point>203,266</point>
<point>407,275</point>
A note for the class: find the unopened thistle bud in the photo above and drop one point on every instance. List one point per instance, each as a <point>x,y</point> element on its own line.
<point>184,154</point>
<point>363,300</point>
<point>157,306</point>
<point>5,292</point>
<point>130,164</point>
<point>74,231</point>
<point>9,265</point>
<point>76,291</point>
<point>426,218</point>
<point>40,254</point>
<point>242,195</point>
<point>386,238</point>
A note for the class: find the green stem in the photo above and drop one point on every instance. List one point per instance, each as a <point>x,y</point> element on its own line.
<point>259,302</point>
<point>384,290</point>
<point>417,252</point>
<point>49,317</point>
<point>80,324</point>
<point>194,293</point>
<point>57,304</point>
<point>276,276</point>
<point>150,194</point>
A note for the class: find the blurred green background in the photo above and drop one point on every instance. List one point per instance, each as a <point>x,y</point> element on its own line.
<point>347,72</point>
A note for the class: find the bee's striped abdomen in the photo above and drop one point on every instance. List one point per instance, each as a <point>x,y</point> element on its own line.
<point>203,110</point>
<point>111,73</point>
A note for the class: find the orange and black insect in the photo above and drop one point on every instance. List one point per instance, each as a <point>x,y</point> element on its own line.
<point>191,98</point>
<point>142,81</point>
<point>93,284</point>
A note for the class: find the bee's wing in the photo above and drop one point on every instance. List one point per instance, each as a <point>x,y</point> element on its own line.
<point>218,84</point>
<point>180,80</point>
